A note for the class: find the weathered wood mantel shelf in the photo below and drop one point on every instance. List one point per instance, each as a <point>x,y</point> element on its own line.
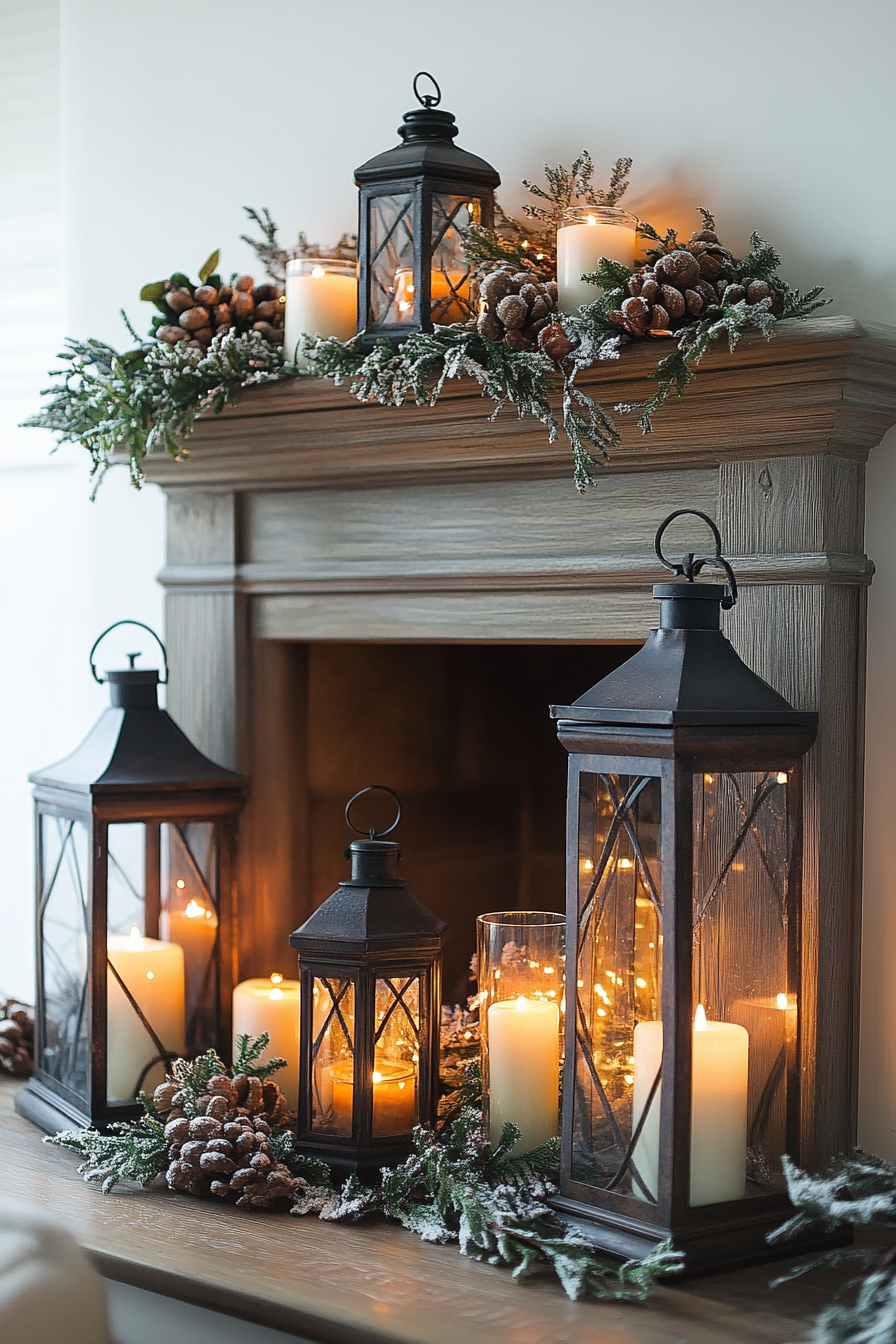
<point>822,382</point>
<point>370,1283</point>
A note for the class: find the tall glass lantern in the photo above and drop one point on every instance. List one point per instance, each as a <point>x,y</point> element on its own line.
<point>370,961</point>
<point>416,200</point>
<point>683,1048</point>
<point>135,874</point>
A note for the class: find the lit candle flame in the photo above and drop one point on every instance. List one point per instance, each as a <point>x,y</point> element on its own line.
<point>592,220</point>
<point>626,863</point>
<point>782,777</point>
<point>377,1077</point>
<point>180,884</point>
<point>318,272</point>
<point>522,1004</point>
<point>700,1019</point>
<point>194,910</point>
<point>781,1000</point>
<point>276,979</point>
<point>135,934</point>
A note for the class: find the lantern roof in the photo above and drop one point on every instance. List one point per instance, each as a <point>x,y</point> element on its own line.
<point>136,745</point>
<point>428,150</point>
<point>374,909</point>
<point>687,673</point>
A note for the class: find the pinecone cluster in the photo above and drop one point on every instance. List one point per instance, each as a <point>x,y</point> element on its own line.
<point>516,307</point>
<point>16,1040</point>
<point>196,313</point>
<point>220,1143</point>
<point>686,283</point>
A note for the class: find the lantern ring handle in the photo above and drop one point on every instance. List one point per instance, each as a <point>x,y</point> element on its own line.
<point>163,681</point>
<point>426,100</point>
<point>373,833</point>
<point>691,564</point>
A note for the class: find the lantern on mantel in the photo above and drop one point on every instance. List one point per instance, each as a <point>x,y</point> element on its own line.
<point>370,963</point>
<point>416,200</point>
<point>684,1049</point>
<point>135,870</point>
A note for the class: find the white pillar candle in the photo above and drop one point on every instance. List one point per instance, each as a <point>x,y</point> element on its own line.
<point>718,1108</point>
<point>580,246</point>
<point>154,973</point>
<point>321,300</point>
<point>194,928</point>
<point>273,1006</point>
<point>524,1069</point>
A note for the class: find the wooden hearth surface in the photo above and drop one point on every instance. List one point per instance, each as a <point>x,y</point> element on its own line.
<point>371,1283</point>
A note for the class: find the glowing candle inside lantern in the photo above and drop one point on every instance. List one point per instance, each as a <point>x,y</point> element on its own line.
<point>449,292</point>
<point>394,1097</point>
<point>718,1108</point>
<point>524,1068</point>
<point>321,300</point>
<point>194,927</point>
<point>154,974</point>
<point>272,1005</point>
<point>585,235</point>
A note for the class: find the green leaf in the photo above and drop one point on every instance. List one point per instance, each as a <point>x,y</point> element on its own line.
<point>209,265</point>
<point>180,281</point>
<point>152,293</point>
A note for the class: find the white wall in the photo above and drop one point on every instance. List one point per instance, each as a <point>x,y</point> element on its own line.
<point>777,116</point>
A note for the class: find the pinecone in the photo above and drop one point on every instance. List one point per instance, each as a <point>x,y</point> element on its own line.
<point>219,1145</point>
<point>197,313</point>
<point>686,283</point>
<point>16,1040</point>
<point>516,306</point>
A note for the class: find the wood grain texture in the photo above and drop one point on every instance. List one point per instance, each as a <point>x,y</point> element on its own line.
<point>826,384</point>
<point>370,1283</point>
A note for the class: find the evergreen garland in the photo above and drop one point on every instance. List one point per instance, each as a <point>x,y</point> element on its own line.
<point>455,1186</point>
<point>148,398</point>
<point>858,1191</point>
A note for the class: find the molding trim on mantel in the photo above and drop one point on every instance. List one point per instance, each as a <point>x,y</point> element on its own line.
<point>825,385</point>
<point>503,574</point>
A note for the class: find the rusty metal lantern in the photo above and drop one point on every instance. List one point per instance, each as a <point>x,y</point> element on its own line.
<point>415,201</point>
<point>135,840</point>
<point>370,969</point>
<point>684,1051</point>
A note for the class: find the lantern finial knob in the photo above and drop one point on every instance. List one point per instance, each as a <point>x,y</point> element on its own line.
<point>427,99</point>
<point>692,564</point>
<point>372,833</point>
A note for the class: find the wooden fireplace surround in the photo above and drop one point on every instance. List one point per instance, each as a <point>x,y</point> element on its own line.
<point>305,515</point>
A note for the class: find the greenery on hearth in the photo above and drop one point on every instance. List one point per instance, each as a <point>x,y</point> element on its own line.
<point>149,397</point>
<point>857,1191</point>
<point>455,1187</point>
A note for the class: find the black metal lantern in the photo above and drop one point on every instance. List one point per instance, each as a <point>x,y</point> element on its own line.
<point>415,201</point>
<point>684,1052</point>
<point>135,870</point>
<point>370,963</point>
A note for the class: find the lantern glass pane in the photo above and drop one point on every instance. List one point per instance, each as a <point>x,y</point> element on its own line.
<point>144,975</point>
<point>189,918</point>
<point>618,975</point>
<point>391,298</point>
<point>64,951</point>
<point>450,271</point>
<point>332,1056</point>
<point>740,977</point>
<point>396,1057</point>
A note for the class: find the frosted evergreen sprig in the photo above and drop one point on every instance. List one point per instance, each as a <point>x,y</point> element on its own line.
<point>857,1191</point>
<point>457,1187</point>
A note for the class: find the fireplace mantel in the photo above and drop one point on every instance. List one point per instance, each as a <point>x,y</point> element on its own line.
<point>304,515</point>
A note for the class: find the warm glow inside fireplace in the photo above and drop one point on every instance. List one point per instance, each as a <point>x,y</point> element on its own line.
<point>462,733</point>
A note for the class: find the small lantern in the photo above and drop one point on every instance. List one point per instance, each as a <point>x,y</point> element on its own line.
<point>683,1049</point>
<point>135,849</point>
<point>370,963</point>
<point>416,200</point>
